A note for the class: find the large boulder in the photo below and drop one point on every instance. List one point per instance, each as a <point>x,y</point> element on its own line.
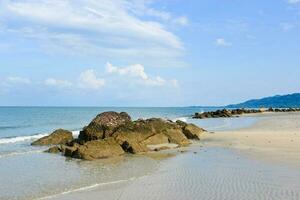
<point>96,149</point>
<point>104,125</point>
<point>59,136</point>
<point>191,131</point>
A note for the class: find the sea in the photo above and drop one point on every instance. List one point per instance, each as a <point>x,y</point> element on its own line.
<point>26,172</point>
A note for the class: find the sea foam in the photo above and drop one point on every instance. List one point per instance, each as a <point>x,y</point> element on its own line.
<point>184,119</point>
<point>88,188</point>
<point>17,139</point>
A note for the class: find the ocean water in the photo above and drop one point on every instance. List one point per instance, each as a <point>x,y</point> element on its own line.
<point>28,173</point>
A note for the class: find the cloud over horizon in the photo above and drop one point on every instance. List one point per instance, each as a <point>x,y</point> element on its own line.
<point>133,75</point>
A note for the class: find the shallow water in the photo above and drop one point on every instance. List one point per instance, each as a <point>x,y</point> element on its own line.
<point>27,172</point>
<point>210,173</point>
<point>40,174</point>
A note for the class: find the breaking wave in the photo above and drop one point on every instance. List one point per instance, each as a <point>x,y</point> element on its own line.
<point>9,140</point>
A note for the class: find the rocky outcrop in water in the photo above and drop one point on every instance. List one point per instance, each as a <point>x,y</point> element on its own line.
<point>236,112</point>
<point>113,134</point>
<point>213,114</point>
<point>283,109</point>
<point>59,136</point>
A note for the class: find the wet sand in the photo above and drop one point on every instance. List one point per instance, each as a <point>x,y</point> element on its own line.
<point>259,162</point>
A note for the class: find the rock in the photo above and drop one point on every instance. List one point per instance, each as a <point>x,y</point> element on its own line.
<point>69,151</point>
<point>182,124</point>
<point>104,125</point>
<point>192,131</point>
<point>215,114</point>
<point>59,136</point>
<point>176,136</point>
<point>156,139</point>
<point>91,132</point>
<point>132,146</point>
<point>134,136</point>
<point>112,134</point>
<point>131,135</point>
<point>98,149</point>
<point>54,150</point>
<point>75,142</point>
<point>236,112</point>
<point>161,148</point>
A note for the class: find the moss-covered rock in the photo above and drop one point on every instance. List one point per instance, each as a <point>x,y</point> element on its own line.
<point>59,136</point>
<point>112,134</point>
<point>98,149</point>
<point>176,136</point>
<point>191,131</point>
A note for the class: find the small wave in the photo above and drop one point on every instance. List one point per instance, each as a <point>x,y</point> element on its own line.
<point>17,139</point>
<point>75,133</point>
<point>88,188</point>
<point>226,124</point>
<point>19,153</point>
<point>20,138</point>
<point>184,119</point>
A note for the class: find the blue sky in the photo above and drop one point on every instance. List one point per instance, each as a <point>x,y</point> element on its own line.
<point>147,52</point>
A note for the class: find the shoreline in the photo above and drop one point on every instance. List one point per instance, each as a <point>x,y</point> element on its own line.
<point>237,156</point>
<point>275,138</point>
<point>212,172</point>
<point>198,170</point>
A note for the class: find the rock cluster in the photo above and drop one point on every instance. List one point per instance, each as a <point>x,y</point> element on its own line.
<point>283,109</point>
<point>113,134</point>
<point>236,112</point>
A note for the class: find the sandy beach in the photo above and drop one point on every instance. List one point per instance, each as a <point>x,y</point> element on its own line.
<point>275,137</point>
<point>258,162</point>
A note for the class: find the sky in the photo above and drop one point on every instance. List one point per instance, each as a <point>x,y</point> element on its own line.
<point>147,52</point>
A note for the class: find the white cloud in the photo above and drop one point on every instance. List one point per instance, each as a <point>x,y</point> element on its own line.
<point>222,42</point>
<point>294,1</point>
<point>17,80</point>
<point>58,83</point>
<point>89,80</point>
<point>133,70</point>
<point>287,26</point>
<point>12,82</point>
<point>138,71</point>
<point>183,21</point>
<point>143,8</point>
<point>94,27</point>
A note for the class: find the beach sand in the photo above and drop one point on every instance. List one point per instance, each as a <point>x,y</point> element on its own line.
<point>275,137</point>
<point>259,162</point>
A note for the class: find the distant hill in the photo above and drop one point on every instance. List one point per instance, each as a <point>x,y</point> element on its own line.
<point>279,101</point>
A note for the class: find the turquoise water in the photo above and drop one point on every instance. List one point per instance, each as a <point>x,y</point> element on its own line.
<point>26,172</point>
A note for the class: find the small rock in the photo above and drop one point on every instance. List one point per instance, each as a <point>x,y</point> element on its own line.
<point>59,136</point>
